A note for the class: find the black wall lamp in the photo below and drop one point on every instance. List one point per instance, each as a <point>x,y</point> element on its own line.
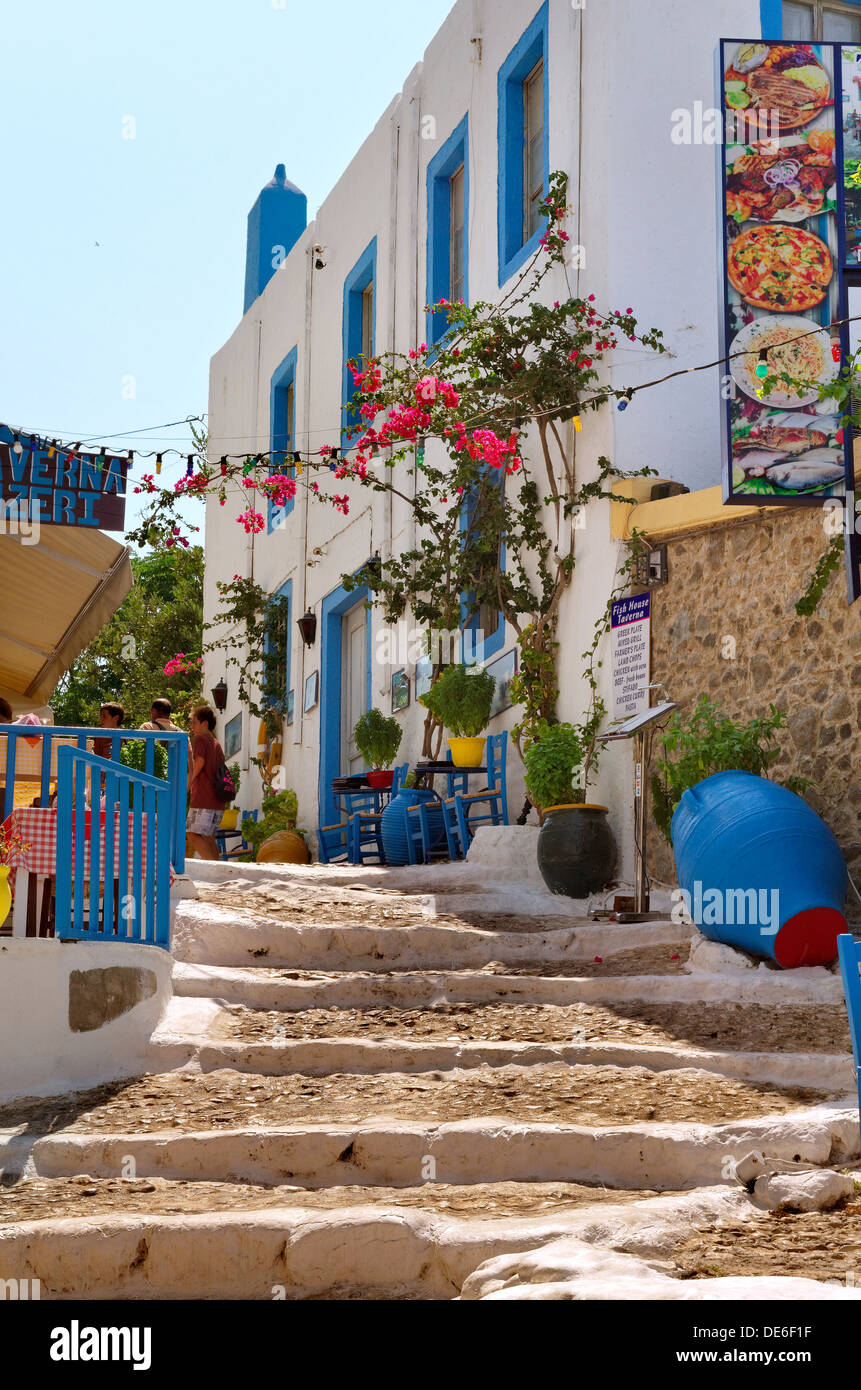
<point>307,626</point>
<point>219,695</point>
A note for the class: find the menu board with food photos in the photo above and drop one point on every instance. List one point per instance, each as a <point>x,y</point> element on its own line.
<point>783,245</point>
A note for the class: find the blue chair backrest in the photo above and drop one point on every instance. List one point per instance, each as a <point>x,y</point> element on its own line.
<point>400,776</point>
<point>497,755</point>
<point>849,951</point>
<point>457,781</point>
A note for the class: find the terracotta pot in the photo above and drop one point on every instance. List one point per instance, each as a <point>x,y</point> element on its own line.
<point>5,893</point>
<point>576,849</point>
<point>467,752</point>
<point>284,847</point>
<point>382,779</point>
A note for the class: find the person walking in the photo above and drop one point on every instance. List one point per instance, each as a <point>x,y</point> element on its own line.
<point>159,718</point>
<point>206,807</point>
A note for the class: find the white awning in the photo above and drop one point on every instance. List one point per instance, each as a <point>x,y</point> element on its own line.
<point>55,597</point>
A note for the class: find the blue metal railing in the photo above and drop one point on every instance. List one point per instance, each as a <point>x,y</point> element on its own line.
<point>46,763</point>
<point>129,827</point>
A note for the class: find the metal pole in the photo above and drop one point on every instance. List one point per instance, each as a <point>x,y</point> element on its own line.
<point>639,822</point>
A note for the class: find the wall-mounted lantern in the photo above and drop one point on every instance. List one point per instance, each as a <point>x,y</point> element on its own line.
<point>307,626</point>
<point>219,695</point>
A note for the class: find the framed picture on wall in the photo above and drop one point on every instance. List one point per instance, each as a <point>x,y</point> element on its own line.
<point>400,691</point>
<point>233,736</point>
<point>291,706</point>
<point>503,671</point>
<point>312,691</point>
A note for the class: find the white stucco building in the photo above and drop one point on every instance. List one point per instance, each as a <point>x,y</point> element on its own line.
<point>591,86</point>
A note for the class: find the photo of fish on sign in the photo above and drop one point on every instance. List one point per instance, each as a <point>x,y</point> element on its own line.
<point>782,292</point>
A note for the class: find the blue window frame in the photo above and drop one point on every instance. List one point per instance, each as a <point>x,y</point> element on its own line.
<point>282,431</point>
<point>447,243</point>
<point>515,245</point>
<point>277,649</point>
<point>473,648</point>
<point>335,605</point>
<point>772,14</point>
<point>358,330</point>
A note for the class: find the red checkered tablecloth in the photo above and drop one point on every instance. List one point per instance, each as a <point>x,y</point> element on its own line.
<point>37,826</point>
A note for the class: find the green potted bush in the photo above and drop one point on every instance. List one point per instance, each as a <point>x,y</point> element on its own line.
<point>274,835</point>
<point>576,848</point>
<point>461,699</point>
<point>378,739</point>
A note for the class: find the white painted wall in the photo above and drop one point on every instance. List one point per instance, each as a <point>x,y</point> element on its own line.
<point>644,209</point>
<point>40,1053</point>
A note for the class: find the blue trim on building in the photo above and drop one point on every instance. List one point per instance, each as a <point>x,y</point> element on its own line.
<point>494,641</point>
<point>445,162</point>
<point>363,274</point>
<point>771,17</point>
<point>282,432</point>
<point>531,47</point>
<point>334,606</point>
<point>286,591</point>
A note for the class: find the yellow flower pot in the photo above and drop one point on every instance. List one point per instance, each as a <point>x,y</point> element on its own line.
<point>230,818</point>
<point>5,893</point>
<point>467,752</point>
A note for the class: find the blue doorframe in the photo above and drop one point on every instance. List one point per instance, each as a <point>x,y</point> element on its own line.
<point>335,605</point>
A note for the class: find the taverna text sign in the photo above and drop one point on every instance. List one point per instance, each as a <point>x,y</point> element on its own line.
<point>62,489</point>
<point>630,626</point>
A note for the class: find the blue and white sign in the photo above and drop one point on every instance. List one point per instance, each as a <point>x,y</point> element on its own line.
<point>62,488</point>
<point>630,636</point>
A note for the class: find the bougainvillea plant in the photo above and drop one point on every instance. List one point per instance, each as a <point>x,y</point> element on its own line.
<point>451,430</point>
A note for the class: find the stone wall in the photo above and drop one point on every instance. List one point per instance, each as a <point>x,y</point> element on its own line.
<point>725,623</point>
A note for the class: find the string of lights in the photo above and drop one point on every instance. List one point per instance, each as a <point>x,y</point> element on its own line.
<point>95,447</point>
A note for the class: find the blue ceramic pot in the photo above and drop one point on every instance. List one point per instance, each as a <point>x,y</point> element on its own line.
<point>395,825</point>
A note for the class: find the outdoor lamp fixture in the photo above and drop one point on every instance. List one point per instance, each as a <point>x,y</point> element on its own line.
<point>219,695</point>
<point>307,626</point>
<point>375,565</point>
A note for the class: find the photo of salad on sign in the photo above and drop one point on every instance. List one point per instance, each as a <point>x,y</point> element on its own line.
<point>781,288</point>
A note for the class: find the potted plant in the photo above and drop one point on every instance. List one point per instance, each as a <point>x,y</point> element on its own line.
<point>230,818</point>
<point>274,835</point>
<point>461,699</point>
<point>703,742</point>
<point>576,848</point>
<point>378,740</point>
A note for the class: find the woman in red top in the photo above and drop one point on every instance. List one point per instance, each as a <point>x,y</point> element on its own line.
<point>205,808</point>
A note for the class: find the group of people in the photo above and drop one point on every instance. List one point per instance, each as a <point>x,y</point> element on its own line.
<point>205,755</point>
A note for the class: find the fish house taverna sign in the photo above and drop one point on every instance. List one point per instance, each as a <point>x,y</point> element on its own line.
<point>61,488</point>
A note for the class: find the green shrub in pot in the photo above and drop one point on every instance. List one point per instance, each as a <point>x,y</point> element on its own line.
<point>377,738</point>
<point>552,760</point>
<point>576,848</point>
<point>461,699</point>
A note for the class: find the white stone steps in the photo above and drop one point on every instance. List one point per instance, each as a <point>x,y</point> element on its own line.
<point>326,1056</point>
<point>411,989</point>
<point>395,1153</point>
<point>206,934</point>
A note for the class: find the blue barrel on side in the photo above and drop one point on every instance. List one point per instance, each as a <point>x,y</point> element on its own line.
<point>761,869</point>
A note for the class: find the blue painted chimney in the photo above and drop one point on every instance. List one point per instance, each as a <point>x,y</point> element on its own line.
<point>275,223</point>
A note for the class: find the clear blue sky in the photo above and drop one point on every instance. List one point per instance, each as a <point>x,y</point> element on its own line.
<point>219,91</point>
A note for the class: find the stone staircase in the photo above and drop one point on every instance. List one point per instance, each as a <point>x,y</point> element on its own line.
<point>397,1084</point>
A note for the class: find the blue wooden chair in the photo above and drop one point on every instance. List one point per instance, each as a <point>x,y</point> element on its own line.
<point>243,847</point>
<point>849,951</point>
<point>421,837</point>
<point>333,843</point>
<point>465,806</point>
<point>365,840</point>
<point>455,781</point>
